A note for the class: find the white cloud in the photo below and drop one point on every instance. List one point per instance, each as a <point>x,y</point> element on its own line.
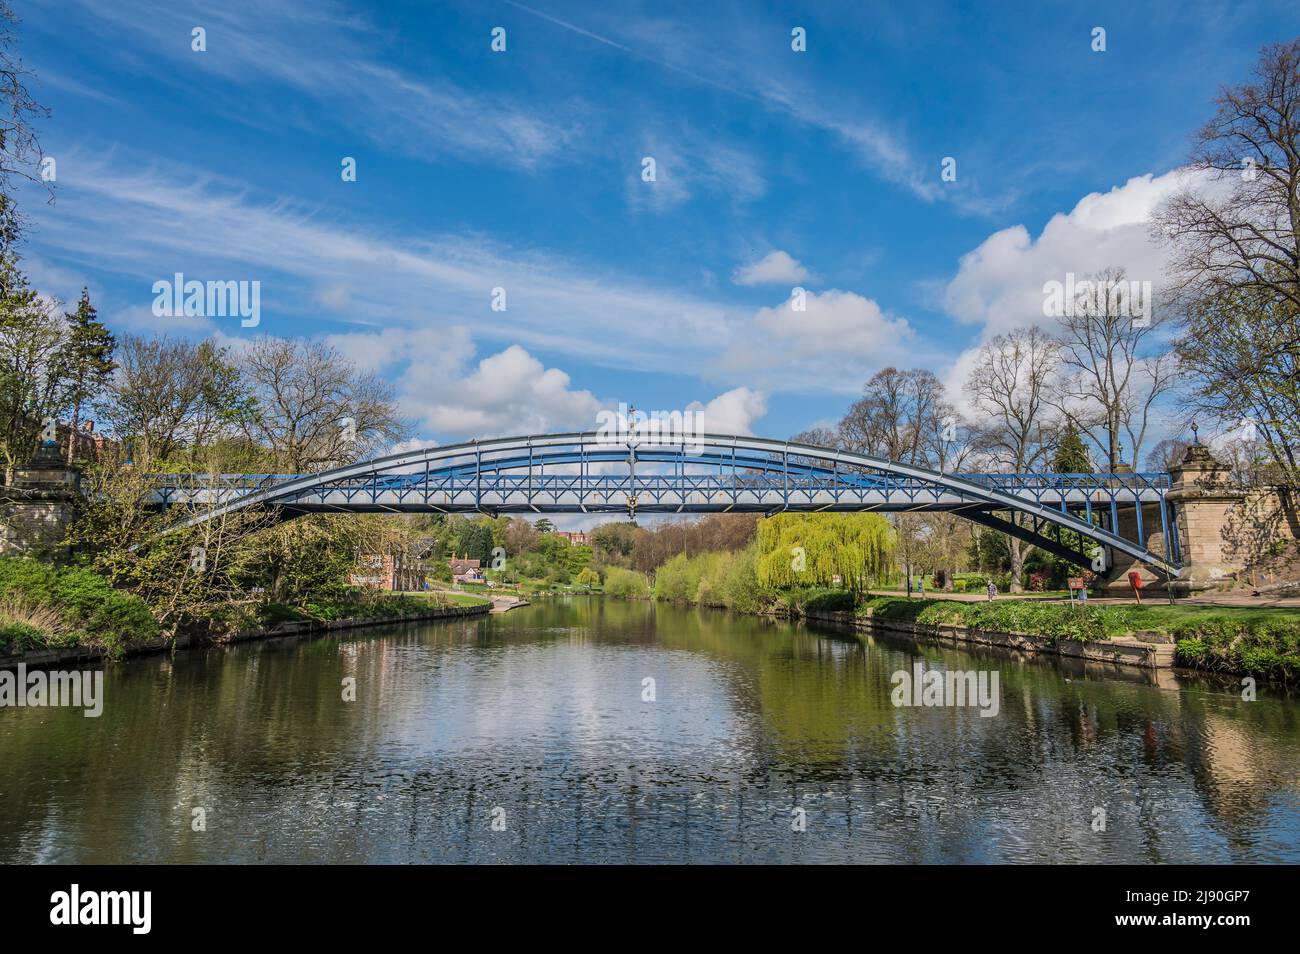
<point>308,261</point>
<point>414,444</point>
<point>834,344</point>
<point>733,412</point>
<point>1000,283</point>
<point>687,163</point>
<point>140,320</point>
<point>443,391</point>
<point>775,266</point>
<point>506,393</point>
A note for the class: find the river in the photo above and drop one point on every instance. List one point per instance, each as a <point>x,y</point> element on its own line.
<point>532,737</point>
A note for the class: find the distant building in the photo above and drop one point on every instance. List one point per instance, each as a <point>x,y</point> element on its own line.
<point>576,537</point>
<point>465,570</point>
<point>388,571</point>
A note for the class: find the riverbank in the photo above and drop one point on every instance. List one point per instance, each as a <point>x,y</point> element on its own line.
<point>1151,652</point>
<point>1235,640</point>
<point>1256,641</point>
<point>77,655</point>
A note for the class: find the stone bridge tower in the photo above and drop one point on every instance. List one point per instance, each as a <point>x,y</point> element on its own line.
<point>38,507</point>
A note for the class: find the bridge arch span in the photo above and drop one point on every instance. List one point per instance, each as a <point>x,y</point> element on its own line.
<point>586,472</point>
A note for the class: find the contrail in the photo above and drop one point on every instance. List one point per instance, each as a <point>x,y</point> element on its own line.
<point>631,52</point>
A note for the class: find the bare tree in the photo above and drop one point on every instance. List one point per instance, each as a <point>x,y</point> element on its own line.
<point>1241,352</point>
<point>1239,227</point>
<point>1010,387</point>
<point>1167,454</point>
<point>904,416</point>
<point>820,436</point>
<point>20,150</point>
<point>313,410</point>
<point>1117,368</point>
<point>1236,240</point>
<point>897,417</point>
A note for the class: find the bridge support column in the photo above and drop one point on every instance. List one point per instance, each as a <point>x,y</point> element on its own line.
<point>1152,538</point>
<point>1223,528</point>
<point>37,508</point>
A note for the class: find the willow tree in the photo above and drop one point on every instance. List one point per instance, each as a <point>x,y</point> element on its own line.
<point>812,549</point>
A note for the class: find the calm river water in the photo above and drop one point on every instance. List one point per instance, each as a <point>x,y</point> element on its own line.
<point>526,737</point>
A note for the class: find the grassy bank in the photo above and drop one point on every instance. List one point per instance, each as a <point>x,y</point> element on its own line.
<point>1259,641</point>
<point>42,607</point>
<point>362,603</point>
<point>45,607</point>
<point>449,598</point>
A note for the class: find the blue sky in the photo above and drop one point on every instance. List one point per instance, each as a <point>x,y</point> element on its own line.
<point>522,169</point>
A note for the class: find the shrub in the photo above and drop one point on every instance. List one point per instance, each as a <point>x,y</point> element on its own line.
<point>741,590</point>
<point>829,601</point>
<point>678,580</point>
<point>26,578</point>
<point>69,606</point>
<point>627,584</point>
<point>17,637</point>
<point>269,614</point>
<point>1270,649</point>
<point>114,616</point>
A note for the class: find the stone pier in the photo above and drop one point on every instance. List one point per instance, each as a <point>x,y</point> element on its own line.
<point>1221,528</point>
<point>37,508</point>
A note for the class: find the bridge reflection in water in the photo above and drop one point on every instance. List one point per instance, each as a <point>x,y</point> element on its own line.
<point>540,712</point>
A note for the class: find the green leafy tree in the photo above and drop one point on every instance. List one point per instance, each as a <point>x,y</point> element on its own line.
<point>812,549</point>
<point>613,542</point>
<point>476,542</point>
<point>579,557</point>
<point>87,363</point>
<point>33,339</point>
<point>1071,455</point>
<point>169,397</point>
<point>625,584</point>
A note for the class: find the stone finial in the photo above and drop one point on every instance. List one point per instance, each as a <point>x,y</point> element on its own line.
<point>1198,457</point>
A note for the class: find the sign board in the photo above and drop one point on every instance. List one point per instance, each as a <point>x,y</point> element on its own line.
<point>1076,582</point>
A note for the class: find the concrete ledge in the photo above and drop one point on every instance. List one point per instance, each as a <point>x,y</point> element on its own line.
<point>75,655</point>
<point>1125,652</point>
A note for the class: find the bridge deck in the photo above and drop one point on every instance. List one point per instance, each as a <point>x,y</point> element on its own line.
<point>586,473</point>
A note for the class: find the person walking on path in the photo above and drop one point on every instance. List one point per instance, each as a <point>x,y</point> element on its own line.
<point>993,590</point>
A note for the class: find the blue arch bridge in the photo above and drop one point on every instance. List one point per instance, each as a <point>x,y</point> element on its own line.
<point>1101,521</point>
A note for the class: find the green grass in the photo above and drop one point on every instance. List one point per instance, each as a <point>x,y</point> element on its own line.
<point>422,598</point>
<point>465,599</point>
<point>1257,640</point>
